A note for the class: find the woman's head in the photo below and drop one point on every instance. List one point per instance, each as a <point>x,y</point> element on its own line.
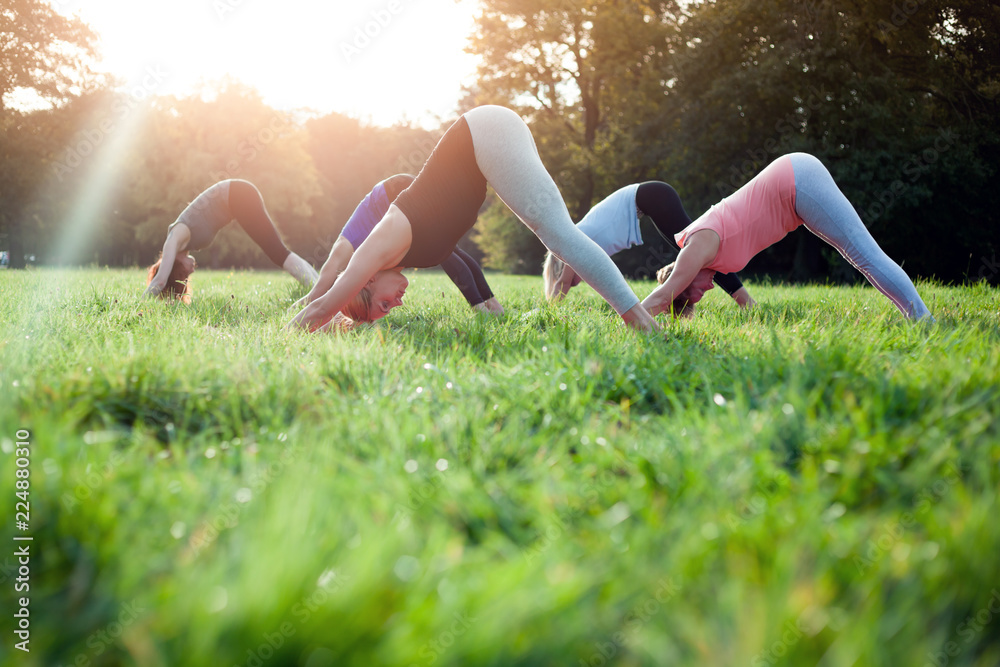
<point>179,281</point>
<point>558,277</point>
<point>683,304</point>
<point>383,292</point>
<point>704,281</point>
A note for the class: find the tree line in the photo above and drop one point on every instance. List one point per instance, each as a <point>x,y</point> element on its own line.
<point>899,100</point>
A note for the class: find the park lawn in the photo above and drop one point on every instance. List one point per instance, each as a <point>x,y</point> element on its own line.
<point>811,483</point>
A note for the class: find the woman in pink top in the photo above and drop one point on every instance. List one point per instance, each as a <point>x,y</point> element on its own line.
<point>795,189</point>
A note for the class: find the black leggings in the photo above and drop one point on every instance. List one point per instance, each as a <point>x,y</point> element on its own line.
<point>247,206</point>
<point>468,276</point>
<point>662,204</point>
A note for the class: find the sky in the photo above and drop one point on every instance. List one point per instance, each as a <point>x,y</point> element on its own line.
<point>383,61</point>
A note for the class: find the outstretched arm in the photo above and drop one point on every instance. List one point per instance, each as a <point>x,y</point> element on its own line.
<point>384,248</point>
<point>742,297</point>
<point>177,240</point>
<point>701,249</point>
<point>340,255</point>
<point>734,287</point>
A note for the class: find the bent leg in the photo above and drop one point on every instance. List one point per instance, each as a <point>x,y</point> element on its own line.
<point>247,206</point>
<point>507,156</point>
<point>829,215</point>
<point>460,274</point>
<point>663,205</point>
<point>476,272</point>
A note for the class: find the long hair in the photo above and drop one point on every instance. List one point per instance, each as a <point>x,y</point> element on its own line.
<point>178,282</point>
<point>359,308</point>
<point>552,273</point>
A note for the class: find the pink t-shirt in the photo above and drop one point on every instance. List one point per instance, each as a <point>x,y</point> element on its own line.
<point>754,217</point>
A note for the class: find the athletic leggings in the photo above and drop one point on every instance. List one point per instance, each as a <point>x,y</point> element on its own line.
<point>506,155</point>
<point>247,206</point>
<point>662,204</point>
<point>467,275</point>
<point>826,213</point>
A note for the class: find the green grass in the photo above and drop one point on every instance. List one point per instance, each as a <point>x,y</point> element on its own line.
<point>813,483</point>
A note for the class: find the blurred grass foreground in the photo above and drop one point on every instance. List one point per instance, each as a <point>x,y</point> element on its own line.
<point>812,483</point>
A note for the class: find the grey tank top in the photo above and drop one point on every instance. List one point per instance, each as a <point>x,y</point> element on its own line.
<point>206,215</point>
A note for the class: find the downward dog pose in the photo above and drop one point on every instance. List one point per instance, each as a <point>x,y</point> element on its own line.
<point>463,270</point>
<point>196,227</point>
<point>794,190</point>
<point>488,144</point>
<point>614,225</point>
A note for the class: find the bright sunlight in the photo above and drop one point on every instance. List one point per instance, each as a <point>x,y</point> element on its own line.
<point>383,61</point>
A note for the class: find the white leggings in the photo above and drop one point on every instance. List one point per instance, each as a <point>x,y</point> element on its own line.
<point>507,156</point>
<point>827,214</point>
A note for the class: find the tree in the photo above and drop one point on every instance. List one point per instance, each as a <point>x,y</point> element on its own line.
<point>897,102</point>
<point>43,58</point>
<point>351,158</point>
<point>577,70</point>
<point>573,67</point>
<point>507,245</point>
<point>224,132</point>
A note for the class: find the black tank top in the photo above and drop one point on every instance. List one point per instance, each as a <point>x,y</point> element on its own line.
<point>443,202</point>
<point>396,184</point>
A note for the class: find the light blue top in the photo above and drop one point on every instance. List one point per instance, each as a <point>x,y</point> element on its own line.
<point>614,223</point>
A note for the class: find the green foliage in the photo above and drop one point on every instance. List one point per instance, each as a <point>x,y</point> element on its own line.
<point>44,62</point>
<point>507,244</point>
<point>898,100</point>
<point>226,133</point>
<point>43,53</point>
<point>350,159</point>
<point>814,478</point>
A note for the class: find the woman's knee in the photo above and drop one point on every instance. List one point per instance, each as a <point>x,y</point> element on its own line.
<point>493,113</point>
<point>806,165</point>
<point>498,128</point>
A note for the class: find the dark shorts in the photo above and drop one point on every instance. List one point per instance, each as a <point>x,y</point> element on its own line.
<point>443,202</point>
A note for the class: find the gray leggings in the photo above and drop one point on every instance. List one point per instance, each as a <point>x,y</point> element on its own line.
<point>827,214</point>
<point>507,156</point>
